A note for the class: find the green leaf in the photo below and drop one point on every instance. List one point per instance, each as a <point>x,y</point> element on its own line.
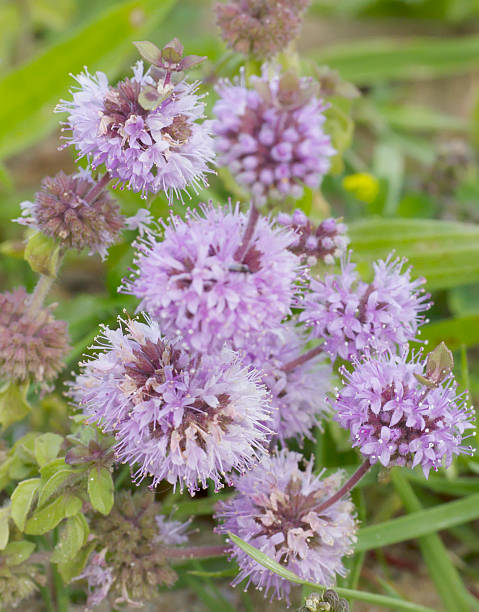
<point>22,499</point>
<point>419,523</point>
<point>43,254</point>
<point>30,93</point>
<point>374,60</point>
<point>18,552</point>
<point>73,536</point>
<point>48,517</point>
<point>56,480</point>
<point>47,447</point>
<point>70,568</point>
<point>4,528</point>
<point>13,403</point>
<point>273,566</point>
<point>100,489</point>
<point>445,253</point>
<point>456,332</point>
<point>448,583</point>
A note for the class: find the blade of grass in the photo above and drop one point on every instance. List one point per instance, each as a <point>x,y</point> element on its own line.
<point>445,576</point>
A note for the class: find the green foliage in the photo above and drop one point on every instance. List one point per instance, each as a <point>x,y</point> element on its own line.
<point>100,489</point>
<point>13,403</point>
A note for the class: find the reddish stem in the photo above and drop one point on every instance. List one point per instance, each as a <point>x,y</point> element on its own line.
<point>347,486</point>
<point>196,552</point>
<point>95,191</point>
<point>248,233</point>
<point>302,358</point>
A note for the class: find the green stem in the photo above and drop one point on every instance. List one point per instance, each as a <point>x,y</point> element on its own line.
<point>40,292</point>
<point>61,592</point>
<point>47,598</point>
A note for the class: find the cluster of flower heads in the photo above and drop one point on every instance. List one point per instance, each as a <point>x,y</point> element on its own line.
<point>204,284</point>
<point>145,130</point>
<point>260,27</point>
<point>177,416</point>
<point>131,553</point>
<point>33,345</point>
<point>65,210</point>
<point>397,416</point>
<point>274,511</point>
<point>326,242</point>
<point>271,136</point>
<point>352,316</point>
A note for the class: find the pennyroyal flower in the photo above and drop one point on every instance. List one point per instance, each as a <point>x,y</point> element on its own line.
<point>271,136</point>
<point>395,419</point>
<point>179,416</point>
<point>274,511</point>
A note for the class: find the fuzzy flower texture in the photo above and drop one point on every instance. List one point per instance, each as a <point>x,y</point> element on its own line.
<point>178,416</point>
<point>274,511</point>
<point>202,283</point>
<point>394,418</point>
<point>271,137</point>
<point>352,316</point>
<point>62,210</point>
<point>145,129</point>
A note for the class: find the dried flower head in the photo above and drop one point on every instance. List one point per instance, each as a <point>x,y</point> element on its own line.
<point>395,419</point>
<point>352,316</point>
<point>260,27</point>
<point>274,511</point>
<point>133,542</point>
<point>19,578</point>
<point>145,130</point>
<point>33,345</point>
<point>63,211</point>
<point>271,137</point>
<point>325,242</point>
<point>198,284</point>
<point>178,416</point>
<point>329,601</point>
<point>298,395</point>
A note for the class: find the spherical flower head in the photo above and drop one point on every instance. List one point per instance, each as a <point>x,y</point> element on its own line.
<point>271,136</point>
<point>274,511</point>
<point>298,396</point>
<point>33,345</point>
<point>194,284</point>
<point>179,416</point>
<point>325,242</point>
<point>62,210</point>
<point>149,148</point>
<point>131,558</point>
<point>395,419</point>
<point>352,316</point>
<point>260,27</point>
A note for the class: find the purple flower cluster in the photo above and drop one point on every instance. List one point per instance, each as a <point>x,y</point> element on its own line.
<point>203,286</point>
<point>325,242</point>
<point>164,148</point>
<point>397,420</point>
<point>274,511</point>
<point>352,316</point>
<point>178,417</point>
<point>271,136</point>
<point>298,396</point>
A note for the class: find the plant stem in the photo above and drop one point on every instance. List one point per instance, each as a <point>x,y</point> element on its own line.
<point>302,359</point>
<point>40,292</point>
<point>95,191</point>
<point>347,486</point>
<point>196,552</point>
<point>61,593</point>
<point>248,233</point>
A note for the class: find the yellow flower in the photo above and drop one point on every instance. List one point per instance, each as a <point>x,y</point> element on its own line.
<point>362,185</point>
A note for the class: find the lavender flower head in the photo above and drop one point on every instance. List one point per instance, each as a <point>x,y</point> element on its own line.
<point>176,416</point>
<point>395,419</point>
<point>33,345</point>
<point>274,511</point>
<point>325,242</point>
<point>260,27</point>
<point>63,211</point>
<point>353,316</point>
<point>298,394</point>
<point>146,129</point>
<point>201,282</point>
<point>271,137</point>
